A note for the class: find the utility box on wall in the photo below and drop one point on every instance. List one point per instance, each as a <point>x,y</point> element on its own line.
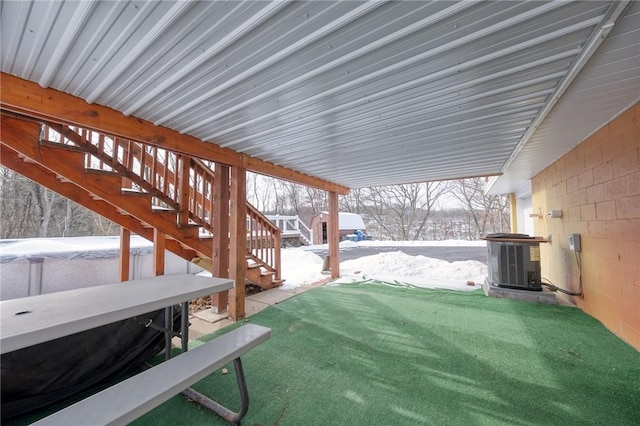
<point>574,242</point>
<point>515,264</point>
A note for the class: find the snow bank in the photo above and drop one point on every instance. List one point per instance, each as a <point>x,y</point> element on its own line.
<point>419,271</point>
<point>300,267</point>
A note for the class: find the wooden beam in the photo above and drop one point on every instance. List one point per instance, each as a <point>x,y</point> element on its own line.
<point>125,253</point>
<point>237,244</point>
<point>28,98</point>
<point>333,232</point>
<point>158,252</point>
<point>184,184</point>
<point>277,264</point>
<point>220,252</point>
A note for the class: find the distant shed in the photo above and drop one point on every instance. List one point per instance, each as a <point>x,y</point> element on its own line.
<point>349,223</point>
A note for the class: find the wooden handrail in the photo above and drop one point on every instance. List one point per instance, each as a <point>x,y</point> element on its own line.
<point>127,158</point>
<point>263,240</point>
<point>292,224</point>
<point>182,183</point>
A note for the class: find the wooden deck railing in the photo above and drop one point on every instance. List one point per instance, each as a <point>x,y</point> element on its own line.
<point>263,240</point>
<point>292,225</point>
<point>174,181</point>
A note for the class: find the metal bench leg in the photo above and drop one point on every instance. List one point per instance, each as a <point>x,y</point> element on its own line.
<point>230,416</point>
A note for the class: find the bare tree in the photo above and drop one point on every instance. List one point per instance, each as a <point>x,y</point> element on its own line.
<point>355,201</point>
<point>68,219</point>
<point>17,206</point>
<point>294,196</point>
<point>445,225</point>
<point>259,192</point>
<point>482,209</point>
<point>317,199</point>
<point>104,226</point>
<point>29,210</point>
<point>402,211</point>
<point>45,201</point>
<point>398,212</point>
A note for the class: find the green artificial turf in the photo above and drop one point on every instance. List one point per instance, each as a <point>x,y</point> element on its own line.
<point>364,354</point>
<point>374,354</point>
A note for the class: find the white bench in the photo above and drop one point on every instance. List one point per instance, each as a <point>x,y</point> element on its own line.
<point>131,398</point>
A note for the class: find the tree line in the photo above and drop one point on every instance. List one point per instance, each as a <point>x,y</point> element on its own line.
<point>29,210</point>
<point>420,211</point>
<point>456,209</point>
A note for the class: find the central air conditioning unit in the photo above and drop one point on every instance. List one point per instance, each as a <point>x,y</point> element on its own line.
<point>515,264</point>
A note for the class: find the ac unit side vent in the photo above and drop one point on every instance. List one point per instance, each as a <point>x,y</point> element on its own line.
<point>514,265</point>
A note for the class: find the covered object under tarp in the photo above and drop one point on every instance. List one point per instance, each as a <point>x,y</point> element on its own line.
<point>39,376</point>
<point>54,371</point>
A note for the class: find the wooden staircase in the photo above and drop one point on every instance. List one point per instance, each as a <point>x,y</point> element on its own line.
<point>140,187</point>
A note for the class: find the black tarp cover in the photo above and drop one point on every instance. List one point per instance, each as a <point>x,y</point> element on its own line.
<point>38,376</point>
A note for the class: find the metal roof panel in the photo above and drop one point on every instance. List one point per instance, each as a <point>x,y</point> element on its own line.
<point>358,93</point>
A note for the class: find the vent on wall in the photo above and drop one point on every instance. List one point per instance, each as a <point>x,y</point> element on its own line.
<point>515,265</point>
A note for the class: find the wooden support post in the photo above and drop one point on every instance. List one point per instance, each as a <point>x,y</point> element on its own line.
<point>220,252</point>
<point>277,256</point>
<point>125,253</point>
<point>237,245</point>
<point>158,252</point>
<point>333,232</point>
<point>184,185</point>
<point>513,213</point>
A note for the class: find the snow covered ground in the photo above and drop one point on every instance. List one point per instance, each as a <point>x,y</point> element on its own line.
<point>302,267</point>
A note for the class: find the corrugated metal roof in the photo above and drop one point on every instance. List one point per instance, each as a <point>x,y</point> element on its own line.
<point>357,93</point>
<point>606,86</point>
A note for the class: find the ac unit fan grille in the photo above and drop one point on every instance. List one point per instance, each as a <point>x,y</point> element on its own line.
<point>511,258</point>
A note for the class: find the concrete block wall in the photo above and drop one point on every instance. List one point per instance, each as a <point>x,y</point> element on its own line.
<point>597,187</point>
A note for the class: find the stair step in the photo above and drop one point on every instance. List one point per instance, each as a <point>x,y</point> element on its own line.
<point>66,147</point>
<point>161,209</point>
<point>27,160</point>
<point>135,192</point>
<point>191,232</point>
<point>102,172</point>
<point>267,285</point>
<point>189,226</point>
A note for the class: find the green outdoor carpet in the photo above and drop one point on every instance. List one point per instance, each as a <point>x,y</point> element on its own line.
<point>364,354</point>
<point>370,354</point>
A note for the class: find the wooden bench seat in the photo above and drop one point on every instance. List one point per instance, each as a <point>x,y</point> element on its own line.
<point>131,398</point>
